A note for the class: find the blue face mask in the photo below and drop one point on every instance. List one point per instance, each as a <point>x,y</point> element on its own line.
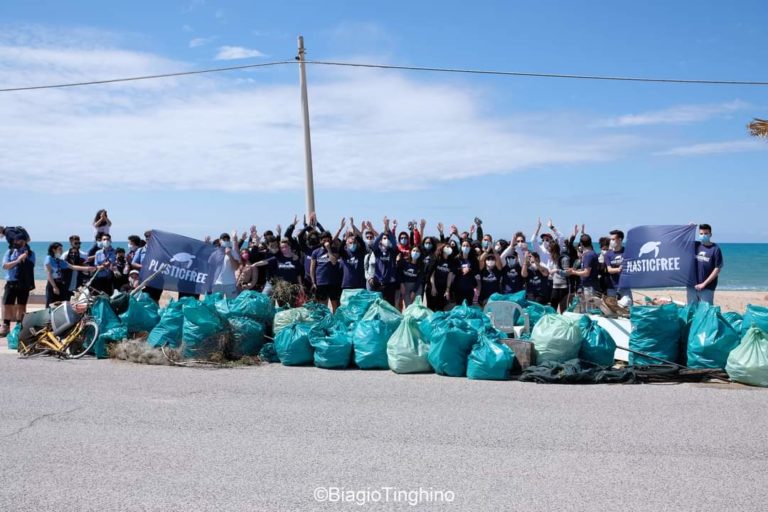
<point>704,239</point>
<point>428,246</point>
<point>352,247</point>
<point>486,243</point>
<point>415,255</point>
<point>465,250</point>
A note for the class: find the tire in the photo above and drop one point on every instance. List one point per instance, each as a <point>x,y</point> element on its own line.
<point>84,342</point>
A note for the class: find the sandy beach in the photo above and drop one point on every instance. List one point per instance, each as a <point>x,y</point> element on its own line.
<point>726,299</point>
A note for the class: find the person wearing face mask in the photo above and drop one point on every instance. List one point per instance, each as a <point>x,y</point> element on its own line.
<point>19,266</point>
<point>224,262</point>
<point>588,270</point>
<point>283,265</point>
<point>56,288</point>
<point>74,256</point>
<point>353,260</point>
<point>324,273</point>
<point>385,275</point>
<point>410,271</point>
<point>439,295</point>
<point>614,258</point>
<point>560,285</point>
<point>106,258</point>
<point>536,277</point>
<point>465,278</point>
<point>709,263</point>
<point>247,275</point>
<point>491,274</point>
<point>512,257</point>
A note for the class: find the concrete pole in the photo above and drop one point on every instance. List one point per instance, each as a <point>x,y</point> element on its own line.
<point>310,183</point>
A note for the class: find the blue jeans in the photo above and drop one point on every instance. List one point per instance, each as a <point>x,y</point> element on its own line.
<point>704,295</point>
<point>621,293</point>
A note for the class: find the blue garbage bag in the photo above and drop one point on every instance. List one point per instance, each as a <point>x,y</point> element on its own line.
<point>333,351</point>
<point>384,311</point>
<point>711,338</point>
<point>597,345</point>
<point>203,328</point>
<point>253,305</point>
<point>142,314</point>
<point>472,315</point>
<point>268,354</point>
<point>490,360</point>
<point>292,345</point>
<point>735,319</point>
<point>111,330</point>
<point>756,316</point>
<point>170,328</point>
<point>655,331</point>
<point>247,336</point>
<point>450,346</point>
<point>13,337</point>
<point>369,340</point>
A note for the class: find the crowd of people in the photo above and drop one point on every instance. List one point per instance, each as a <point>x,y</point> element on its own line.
<point>445,268</point>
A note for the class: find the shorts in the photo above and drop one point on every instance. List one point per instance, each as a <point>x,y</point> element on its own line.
<point>324,292</point>
<point>14,294</point>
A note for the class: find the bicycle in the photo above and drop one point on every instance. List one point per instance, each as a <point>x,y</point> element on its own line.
<point>69,331</point>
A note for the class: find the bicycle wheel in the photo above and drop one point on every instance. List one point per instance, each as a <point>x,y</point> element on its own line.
<point>31,349</point>
<point>84,341</point>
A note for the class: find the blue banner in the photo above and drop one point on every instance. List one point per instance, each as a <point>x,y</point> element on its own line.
<point>185,264</point>
<point>659,257</point>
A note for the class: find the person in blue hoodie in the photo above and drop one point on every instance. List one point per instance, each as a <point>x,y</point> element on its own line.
<point>385,250</point>
<point>709,262</point>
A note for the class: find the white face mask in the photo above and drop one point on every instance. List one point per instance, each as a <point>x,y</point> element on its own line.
<point>225,244</point>
<point>613,245</point>
<point>447,251</point>
<point>385,242</point>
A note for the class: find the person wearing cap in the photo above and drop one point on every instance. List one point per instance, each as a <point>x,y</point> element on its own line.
<point>324,272</point>
<point>224,262</point>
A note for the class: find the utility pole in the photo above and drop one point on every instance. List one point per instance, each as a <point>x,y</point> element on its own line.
<point>310,184</point>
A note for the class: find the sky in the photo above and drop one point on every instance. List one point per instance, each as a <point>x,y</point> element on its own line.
<point>209,153</point>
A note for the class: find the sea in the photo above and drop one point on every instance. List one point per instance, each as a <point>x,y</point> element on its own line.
<point>745,265</point>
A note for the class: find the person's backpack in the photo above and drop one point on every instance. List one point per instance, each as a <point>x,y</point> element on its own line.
<point>12,234</point>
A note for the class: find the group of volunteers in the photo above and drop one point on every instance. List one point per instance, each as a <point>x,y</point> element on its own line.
<point>445,269</point>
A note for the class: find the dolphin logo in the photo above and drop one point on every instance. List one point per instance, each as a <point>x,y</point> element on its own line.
<point>183,258</point>
<point>650,247</point>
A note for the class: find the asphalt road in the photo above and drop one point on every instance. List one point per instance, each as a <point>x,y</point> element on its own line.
<point>105,435</point>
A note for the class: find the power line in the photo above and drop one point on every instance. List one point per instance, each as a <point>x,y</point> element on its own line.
<point>403,68</point>
<point>540,75</point>
<point>146,77</point>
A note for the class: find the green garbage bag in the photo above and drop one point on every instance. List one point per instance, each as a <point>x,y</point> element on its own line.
<point>450,346</point>
<point>490,360</point>
<point>597,345</point>
<point>655,331</point>
<point>111,330</point>
<point>247,336</point>
<point>13,337</point>
<point>202,331</point>
<point>748,363</point>
<point>556,338</point>
<point>171,326</point>
<point>417,310</point>
<point>472,315</point>
<point>581,320</point>
<point>333,351</point>
<point>268,354</point>
<point>142,314</point>
<point>253,305</point>
<point>369,340</point>
<point>292,345</point>
<point>735,319</point>
<point>407,350</point>
<point>711,338</point>
<point>383,310</point>
<point>756,316</point>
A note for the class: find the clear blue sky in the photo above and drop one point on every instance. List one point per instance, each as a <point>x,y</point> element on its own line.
<point>205,154</point>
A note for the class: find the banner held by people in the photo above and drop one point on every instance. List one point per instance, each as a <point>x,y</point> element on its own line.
<point>659,257</point>
<point>184,263</point>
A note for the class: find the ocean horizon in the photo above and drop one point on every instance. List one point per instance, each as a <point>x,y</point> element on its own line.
<point>745,264</point>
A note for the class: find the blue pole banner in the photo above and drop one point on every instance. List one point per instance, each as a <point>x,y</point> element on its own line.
<point>659,257</point>
<point>184,263</point>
